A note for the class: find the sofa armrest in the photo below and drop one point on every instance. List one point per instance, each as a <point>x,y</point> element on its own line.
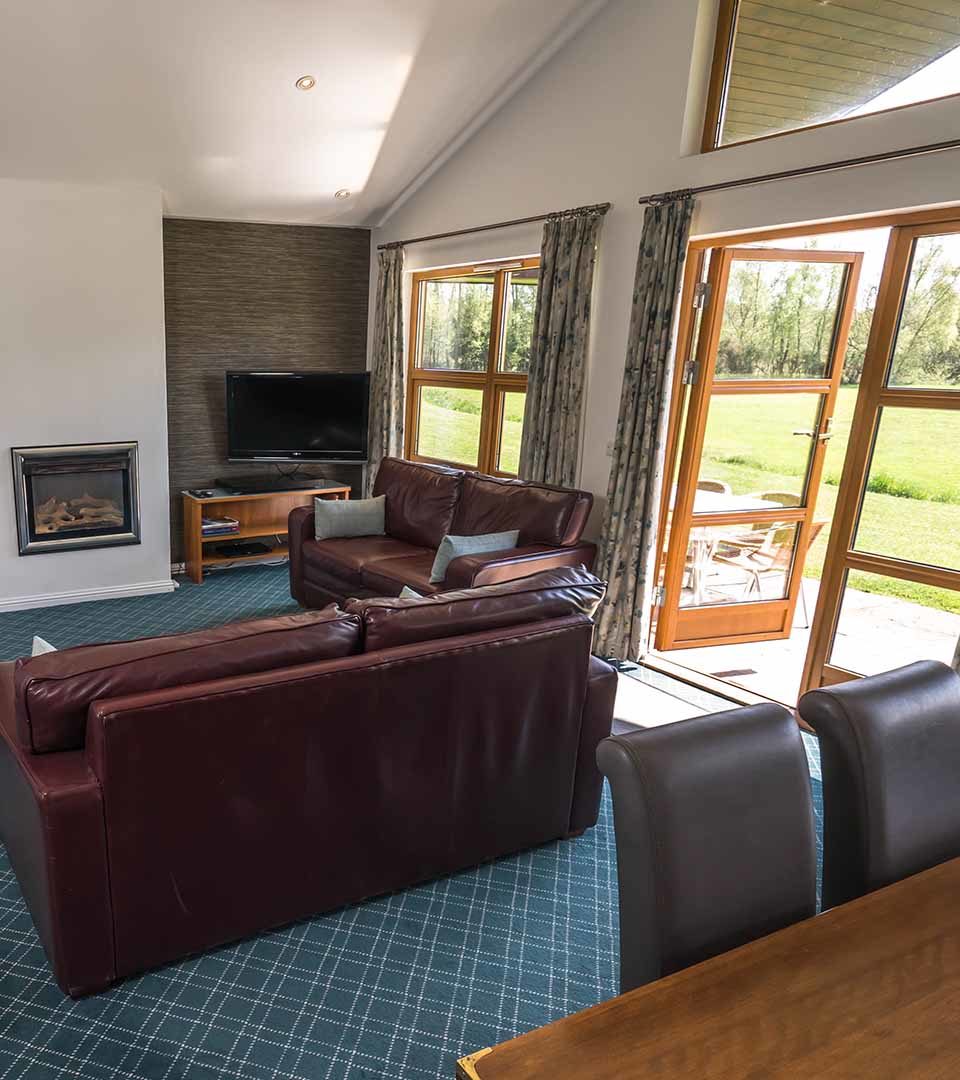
<point>51,821</point>
<point>301,526</point>
<point>598,705</point>
<point>492,567</point>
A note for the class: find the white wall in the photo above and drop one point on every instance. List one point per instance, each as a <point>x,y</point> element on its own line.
<point>614,116</point>
<point>82,360</point>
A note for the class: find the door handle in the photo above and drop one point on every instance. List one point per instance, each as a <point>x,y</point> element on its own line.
<point>823,436</point>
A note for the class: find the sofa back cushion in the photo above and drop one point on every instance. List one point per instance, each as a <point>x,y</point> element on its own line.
<point>53,692</point>
<point>542,514</point>
<point>549,594</point>
<point>421,500</point>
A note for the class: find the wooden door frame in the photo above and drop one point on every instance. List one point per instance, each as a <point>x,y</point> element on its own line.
<point>872,397</point>
<point>753,616</point>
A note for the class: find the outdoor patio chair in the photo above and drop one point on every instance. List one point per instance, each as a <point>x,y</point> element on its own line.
<point>720,486</point>
<point>784,498</point>
<point>772,554</point>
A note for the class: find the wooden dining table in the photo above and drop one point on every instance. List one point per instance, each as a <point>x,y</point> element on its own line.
<point>870,989</point>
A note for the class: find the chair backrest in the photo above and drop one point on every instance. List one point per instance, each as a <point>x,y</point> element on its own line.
<point>785,498</point>
<point>890,755</point>
<point>720,486</point>
<point>715,836</point>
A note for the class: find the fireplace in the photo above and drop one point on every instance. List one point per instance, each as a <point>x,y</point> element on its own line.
<point>71,497</point>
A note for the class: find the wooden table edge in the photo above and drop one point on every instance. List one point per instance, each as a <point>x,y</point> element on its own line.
<point>842,913</point>
<point>467,1066</point>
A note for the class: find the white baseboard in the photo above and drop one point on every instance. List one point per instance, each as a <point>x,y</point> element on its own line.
<point>80,596</point>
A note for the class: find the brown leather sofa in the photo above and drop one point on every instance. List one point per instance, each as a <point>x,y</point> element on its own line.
<point>162,797</point>
<point>425,503</point>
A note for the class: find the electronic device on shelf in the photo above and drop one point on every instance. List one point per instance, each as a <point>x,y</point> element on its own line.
<point>296,416</point>
<point>202,493</point>
<point>238,549</point>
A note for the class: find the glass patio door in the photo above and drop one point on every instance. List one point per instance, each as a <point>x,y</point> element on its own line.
<point>890,592</point>
<point>768,365</point>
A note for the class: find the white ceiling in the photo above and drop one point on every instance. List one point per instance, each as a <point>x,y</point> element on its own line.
<point>198,96</point>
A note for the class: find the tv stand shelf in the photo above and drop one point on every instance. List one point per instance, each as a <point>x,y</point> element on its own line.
<point>262,516</point>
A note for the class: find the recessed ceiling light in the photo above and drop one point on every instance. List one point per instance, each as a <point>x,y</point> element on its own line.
<point>306,82</point>
<point>343,193</point>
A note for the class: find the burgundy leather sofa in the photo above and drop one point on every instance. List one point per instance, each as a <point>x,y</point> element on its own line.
<point>425,503</point>
<point>162,797</point>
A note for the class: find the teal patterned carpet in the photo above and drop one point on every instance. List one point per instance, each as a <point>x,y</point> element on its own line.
<point>398,987</point>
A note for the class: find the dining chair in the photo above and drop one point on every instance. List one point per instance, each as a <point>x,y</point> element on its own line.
<point>720,486</point>
<point>890,759</point>
<point>784,498</point>
<point>715,837</point>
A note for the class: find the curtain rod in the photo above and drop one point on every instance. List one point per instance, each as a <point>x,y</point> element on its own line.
<point>600,208</point>
<point>807,170</point>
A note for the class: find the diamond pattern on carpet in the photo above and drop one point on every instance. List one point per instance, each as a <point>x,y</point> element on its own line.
<point>398,987</point>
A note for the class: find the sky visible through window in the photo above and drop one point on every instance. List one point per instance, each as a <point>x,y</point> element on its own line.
<point>936,80</point>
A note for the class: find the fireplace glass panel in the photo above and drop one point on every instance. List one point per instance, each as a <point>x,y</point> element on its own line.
<point>84,501</point>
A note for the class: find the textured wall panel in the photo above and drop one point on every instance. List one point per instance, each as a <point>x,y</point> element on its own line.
<point>252,296</point>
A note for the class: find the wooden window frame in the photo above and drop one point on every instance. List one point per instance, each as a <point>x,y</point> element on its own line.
<point>874,395</point>
<point>493,383</point>
<point>723,47</point>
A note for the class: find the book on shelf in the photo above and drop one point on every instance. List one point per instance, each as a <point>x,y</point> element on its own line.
<point>219,526</point>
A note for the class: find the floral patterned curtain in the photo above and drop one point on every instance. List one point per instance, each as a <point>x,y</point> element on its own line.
<point>387,370</point>
<point>550,446</point>
<point>633,492</point>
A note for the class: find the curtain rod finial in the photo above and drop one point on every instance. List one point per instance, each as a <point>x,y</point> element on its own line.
<point>668,196</point>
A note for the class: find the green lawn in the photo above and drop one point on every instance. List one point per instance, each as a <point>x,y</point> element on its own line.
<point>450,426</point>
<point>912,509</point>
<point>916,455</point>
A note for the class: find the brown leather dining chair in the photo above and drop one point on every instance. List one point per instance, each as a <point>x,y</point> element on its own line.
<point>715,836</point>
<point>890,758</point>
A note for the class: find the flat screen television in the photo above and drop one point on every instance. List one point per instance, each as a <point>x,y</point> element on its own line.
<point>297,416</point>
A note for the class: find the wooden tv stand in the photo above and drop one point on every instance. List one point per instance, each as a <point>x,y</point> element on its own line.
<point>261,516</point>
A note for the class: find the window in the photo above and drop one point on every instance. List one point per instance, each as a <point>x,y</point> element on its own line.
<point>780,65</point>
<point>471,333</point>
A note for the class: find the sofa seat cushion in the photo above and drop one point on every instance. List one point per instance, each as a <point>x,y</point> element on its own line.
<point>53,692</point>
<point>421,500</point>
<point>347,557</point>
<point>489,504</point>
<point>549,594</point>
<point>388,576</point>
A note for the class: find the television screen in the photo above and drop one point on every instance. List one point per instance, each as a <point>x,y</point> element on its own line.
<point>297,416</point>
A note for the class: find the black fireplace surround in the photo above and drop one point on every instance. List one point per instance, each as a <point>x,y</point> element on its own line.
<point>80,496</point>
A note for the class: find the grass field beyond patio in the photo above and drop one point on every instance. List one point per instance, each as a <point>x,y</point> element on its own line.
<point>911,511</point>
<point>912,507</point>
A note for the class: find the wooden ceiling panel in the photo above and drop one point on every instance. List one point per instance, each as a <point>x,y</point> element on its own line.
<point>801,62</point>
